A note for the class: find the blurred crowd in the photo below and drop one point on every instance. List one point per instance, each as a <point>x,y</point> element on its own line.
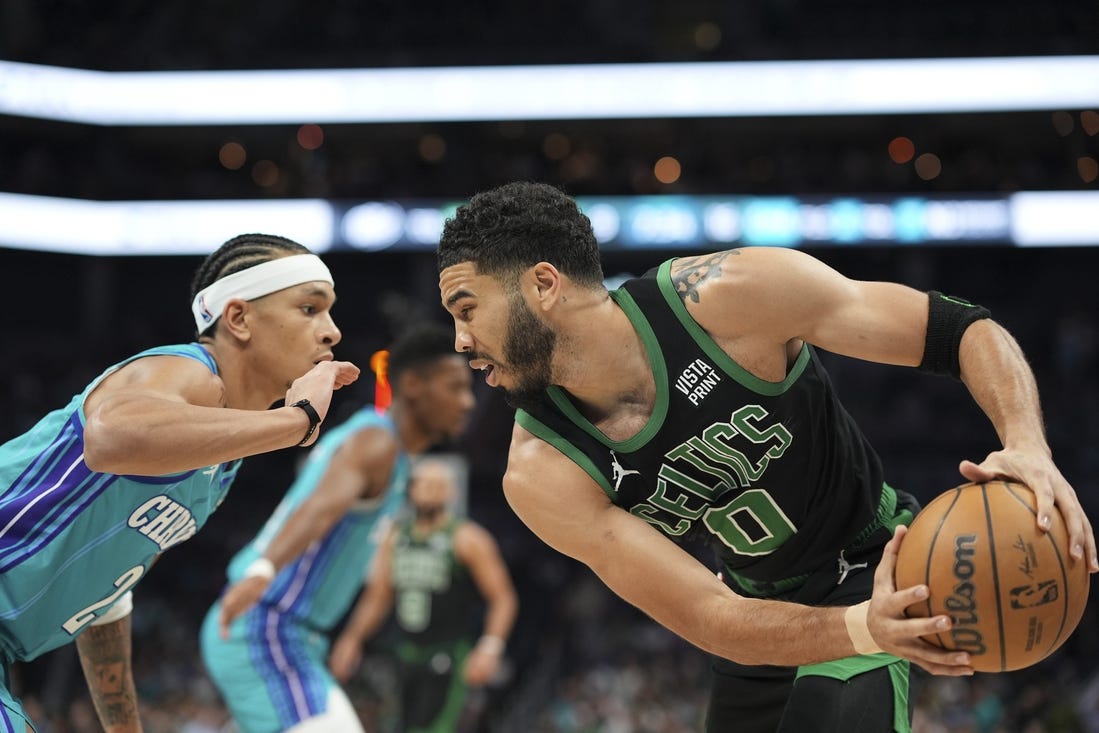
<point>205,34</point>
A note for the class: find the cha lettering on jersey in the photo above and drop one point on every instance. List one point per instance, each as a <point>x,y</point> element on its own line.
<point>715,477</point>
<point>697,381</point>
<point>164,521</point>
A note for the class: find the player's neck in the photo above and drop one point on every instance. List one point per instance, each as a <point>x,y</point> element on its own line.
<point>415,438</point>
<point>424,526</point>
<point>605,367</point>
<point>245,388</point>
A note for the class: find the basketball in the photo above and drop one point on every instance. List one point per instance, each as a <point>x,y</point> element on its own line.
<point>1013,591</point>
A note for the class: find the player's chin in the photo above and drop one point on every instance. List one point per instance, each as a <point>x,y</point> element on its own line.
<point>455,430</point>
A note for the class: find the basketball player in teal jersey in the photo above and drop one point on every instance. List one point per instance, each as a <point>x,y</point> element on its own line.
<point>431,569</point>
<point>264,641</point>
<point>689,404</point>
<point>138,461</point>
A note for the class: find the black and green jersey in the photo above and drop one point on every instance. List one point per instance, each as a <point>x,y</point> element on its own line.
<point>433,592</point>
<point>775,477</point>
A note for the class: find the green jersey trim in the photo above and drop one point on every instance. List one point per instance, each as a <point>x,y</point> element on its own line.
<point>539,430</point>
<point>660,375</point>
<point>848,667</point>
<point>721,359</point>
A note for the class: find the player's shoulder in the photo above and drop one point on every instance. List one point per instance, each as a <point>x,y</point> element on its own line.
<point>532,460</point>
<point>472,539</point>
<point>532,454</point>
<point>189,373</point>
<point>372,442</point>
<point>740,267</point>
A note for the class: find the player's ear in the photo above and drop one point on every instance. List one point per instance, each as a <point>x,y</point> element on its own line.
<point>411,384</point>
<point>234,319</point>
<point>546,279</point>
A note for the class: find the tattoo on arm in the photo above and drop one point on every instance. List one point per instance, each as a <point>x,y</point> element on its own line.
<point>105,655</point>
<point>689,272</point>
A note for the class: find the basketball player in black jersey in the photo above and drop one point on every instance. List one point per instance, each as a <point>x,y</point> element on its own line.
<point>689,405</point>
<point>430,570</point>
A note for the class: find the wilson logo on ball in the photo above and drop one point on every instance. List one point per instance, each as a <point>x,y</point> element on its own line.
<point>962,603</point>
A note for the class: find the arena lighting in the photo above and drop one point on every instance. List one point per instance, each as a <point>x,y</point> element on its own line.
<point>595,91</point>
<point>155,227</point>
<point>1067,217</point>
<point>1046,218</point>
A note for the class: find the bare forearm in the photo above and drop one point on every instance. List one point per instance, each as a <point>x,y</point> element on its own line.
<point>687,598</point>
<point>1002,383</point>
<point>153,438</point>
<point>308,523</point>
<point>368,615</point>
<point>500,616</point>
<point>751,631</point>
<point>105,656</point>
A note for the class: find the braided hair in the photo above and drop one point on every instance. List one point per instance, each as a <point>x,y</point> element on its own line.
<point>240,253</point>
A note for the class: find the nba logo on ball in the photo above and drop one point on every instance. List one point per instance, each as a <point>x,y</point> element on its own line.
<point>1013,592</point>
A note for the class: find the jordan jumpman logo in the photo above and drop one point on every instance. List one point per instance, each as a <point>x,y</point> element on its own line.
<point>617,472</point>
<point>846,567</point>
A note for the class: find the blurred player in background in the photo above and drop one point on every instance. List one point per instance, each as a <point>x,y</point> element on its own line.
<point>138,461</point>
<point>264,642</point>
<point>431,569</point>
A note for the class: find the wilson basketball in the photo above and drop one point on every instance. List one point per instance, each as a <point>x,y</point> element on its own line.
<point>1012,590</point>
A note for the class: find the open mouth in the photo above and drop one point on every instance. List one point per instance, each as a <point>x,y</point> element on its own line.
<point>485,368</point>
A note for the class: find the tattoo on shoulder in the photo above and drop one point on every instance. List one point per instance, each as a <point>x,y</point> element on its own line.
<point>689,272</point>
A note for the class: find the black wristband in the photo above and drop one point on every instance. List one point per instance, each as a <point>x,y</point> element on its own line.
<point>947,319</point>
<point>314,419</point>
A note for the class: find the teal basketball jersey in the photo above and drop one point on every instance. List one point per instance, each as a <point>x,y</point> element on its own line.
<point>73,541</point>
<point>320,585</point>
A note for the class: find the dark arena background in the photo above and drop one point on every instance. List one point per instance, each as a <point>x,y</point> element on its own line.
<point>936,178</point>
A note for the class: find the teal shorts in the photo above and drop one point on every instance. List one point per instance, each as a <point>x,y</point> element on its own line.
<point>13,719</point>
<point>271,671</point>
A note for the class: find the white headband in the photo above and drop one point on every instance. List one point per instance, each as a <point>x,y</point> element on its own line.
<point>256,282</point>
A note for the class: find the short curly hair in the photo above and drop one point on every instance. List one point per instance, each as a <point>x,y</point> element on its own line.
<point>507,229</point>
<point>418,348</point>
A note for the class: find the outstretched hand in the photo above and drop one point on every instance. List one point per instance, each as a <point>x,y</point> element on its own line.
<point>897,634</point>
<point>318,384</point>
<point>1036,470</point>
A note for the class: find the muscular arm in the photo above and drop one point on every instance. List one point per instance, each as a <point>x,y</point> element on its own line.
<point>754,302</point>
<point>1000,380</point>
<point>166,414</point>
<point>477,550</point>
<point>648,570</point>
<point>757,302</point>
<point>105,656</point>
<point>360,467</point>
<point>366,618</point>
<point>374,604</point>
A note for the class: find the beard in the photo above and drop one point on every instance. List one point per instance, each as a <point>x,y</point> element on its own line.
<point>429,513</point>
<point>528,352</point>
